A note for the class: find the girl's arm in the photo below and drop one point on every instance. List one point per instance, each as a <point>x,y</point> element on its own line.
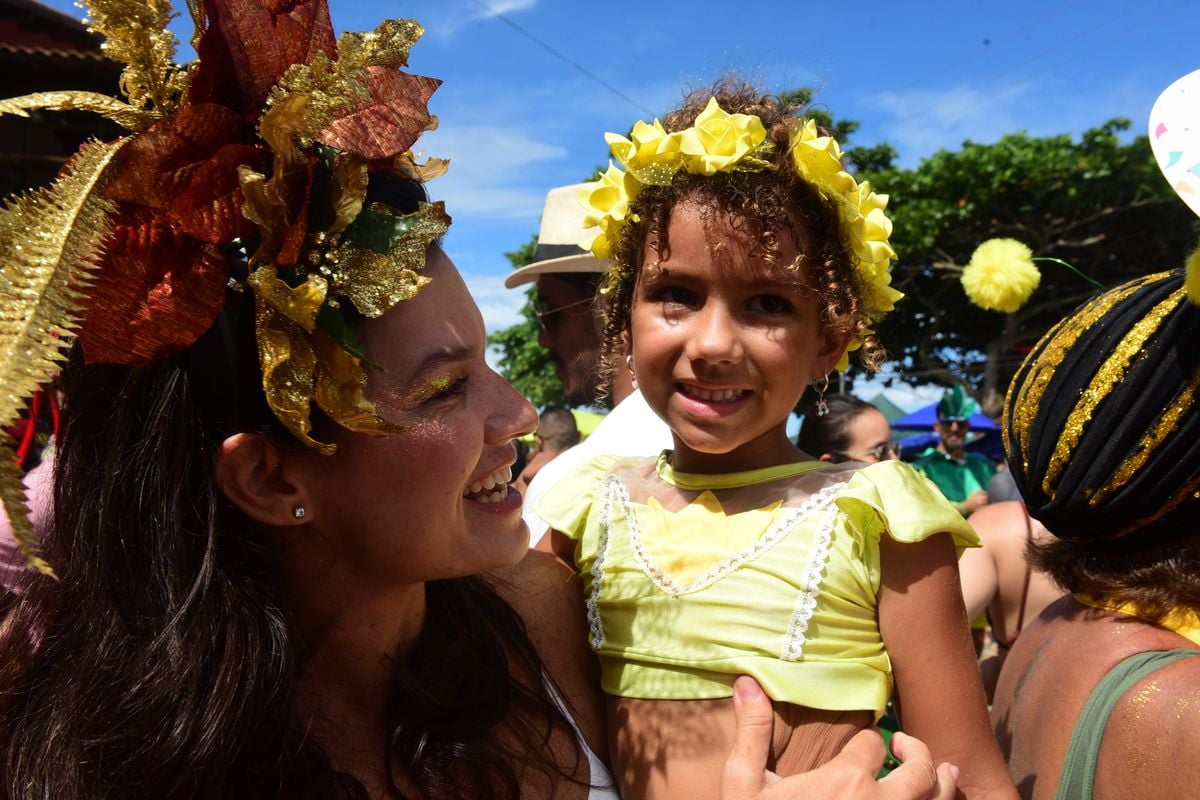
<point>559,544</point>
<point>938,690</point>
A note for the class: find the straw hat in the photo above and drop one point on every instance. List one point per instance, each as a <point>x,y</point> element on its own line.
<point>558,241</point>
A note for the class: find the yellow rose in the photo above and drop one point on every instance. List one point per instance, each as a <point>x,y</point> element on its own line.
<point>818,160</point>
<point>605,203</point>
<point>652,156</point>
<point>718,141</point>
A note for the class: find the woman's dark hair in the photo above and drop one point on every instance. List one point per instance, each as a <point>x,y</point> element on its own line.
<point>760,205</point>
<point>827,433</point>
<point>160,663</point>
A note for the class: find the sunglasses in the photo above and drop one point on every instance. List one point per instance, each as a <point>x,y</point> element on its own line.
<point>545,315</point>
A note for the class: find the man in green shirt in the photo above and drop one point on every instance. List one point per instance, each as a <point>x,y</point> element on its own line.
<point>962,476</point>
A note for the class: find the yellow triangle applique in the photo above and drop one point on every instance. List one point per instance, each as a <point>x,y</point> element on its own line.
<point>687,544</point>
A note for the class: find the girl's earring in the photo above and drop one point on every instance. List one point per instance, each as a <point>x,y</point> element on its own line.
<point>629,365</point>
<point>822,386</point>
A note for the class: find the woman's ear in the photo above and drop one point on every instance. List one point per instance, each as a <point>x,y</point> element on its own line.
<point>826,457</point>
<point>266,487</point>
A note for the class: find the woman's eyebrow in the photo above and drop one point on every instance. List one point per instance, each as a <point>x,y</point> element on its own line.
<point>438,360</point>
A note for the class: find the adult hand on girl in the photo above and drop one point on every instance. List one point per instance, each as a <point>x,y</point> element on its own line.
<point>850,775</point>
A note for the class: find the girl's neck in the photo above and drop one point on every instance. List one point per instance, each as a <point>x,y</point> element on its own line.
<point>766,451</point>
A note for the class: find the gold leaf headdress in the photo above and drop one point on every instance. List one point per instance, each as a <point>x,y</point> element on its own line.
<point>262,147</point>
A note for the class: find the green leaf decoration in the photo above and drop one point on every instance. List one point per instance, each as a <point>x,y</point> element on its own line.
<point>376,231</point>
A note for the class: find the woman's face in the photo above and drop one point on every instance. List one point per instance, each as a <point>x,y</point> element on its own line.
<point>433,501</point>
<point>870,437</point>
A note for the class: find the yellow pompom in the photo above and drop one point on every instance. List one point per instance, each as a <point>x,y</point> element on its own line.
<point>1192,281</point>
<point>1001,275</point>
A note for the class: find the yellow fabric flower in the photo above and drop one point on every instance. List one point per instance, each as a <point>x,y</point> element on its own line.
<point>1001,275</point>
<point>818,160</point>
<point>719,140</point>
<point>605,203</point>
<point>1192,279</point>
<point>652,156</point>
<point>722,142</point>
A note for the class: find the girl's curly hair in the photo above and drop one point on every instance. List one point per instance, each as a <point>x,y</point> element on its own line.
<point>761,205</point>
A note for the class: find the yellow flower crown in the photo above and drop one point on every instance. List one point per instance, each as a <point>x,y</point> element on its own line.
<point>723,142</point>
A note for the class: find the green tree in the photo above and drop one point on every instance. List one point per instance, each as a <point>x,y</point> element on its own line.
<point>523,362</point>
<point>1096,203</point>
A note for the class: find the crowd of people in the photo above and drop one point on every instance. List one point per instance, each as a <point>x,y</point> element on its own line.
<point>279,548</point>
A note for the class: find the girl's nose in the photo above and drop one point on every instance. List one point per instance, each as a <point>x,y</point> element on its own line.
<point>715,337</point>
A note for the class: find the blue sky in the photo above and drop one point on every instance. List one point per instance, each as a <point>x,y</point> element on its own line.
<point>518,119</point>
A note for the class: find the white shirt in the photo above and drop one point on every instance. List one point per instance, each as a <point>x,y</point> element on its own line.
<point>630,429</point>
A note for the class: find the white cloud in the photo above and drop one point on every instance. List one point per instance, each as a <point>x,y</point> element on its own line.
<point>501,307</point>
<point>452,20</point>
<point>489,165</point>
<point>926,121</point>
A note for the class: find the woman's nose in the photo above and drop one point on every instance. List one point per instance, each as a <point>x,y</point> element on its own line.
<point>512,416</point>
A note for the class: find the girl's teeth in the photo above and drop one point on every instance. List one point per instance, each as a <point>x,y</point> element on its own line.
<point>717,396</point>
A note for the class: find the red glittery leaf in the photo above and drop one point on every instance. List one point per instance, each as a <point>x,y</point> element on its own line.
<point>389,121</point>
<point>158,165</point>
<point>248,45</point>
<point>156,292</point>
<point>210,208</point>
<point>300,187</point>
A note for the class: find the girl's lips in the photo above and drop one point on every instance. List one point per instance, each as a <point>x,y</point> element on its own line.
<point>711,408</point>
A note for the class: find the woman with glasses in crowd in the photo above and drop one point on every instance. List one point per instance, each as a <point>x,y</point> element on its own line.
<point>849,430</point>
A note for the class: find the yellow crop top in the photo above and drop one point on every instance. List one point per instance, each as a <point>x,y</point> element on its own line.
<point>691,580</point>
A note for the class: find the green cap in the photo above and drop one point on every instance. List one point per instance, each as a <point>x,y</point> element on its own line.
<point>956,404</point>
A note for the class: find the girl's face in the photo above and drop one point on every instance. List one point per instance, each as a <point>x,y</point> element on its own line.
<point>401,508</point>
<point>870,438</point>
<point>724,344</point>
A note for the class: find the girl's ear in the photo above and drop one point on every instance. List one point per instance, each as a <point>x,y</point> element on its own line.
<point>833,345</point>
<point>826,457</point>
<point>264,485</point>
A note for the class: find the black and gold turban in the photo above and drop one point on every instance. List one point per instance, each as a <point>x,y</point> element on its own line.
<point>1101,424</point>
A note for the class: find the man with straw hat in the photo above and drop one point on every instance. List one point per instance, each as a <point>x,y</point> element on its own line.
<point>569,326</point>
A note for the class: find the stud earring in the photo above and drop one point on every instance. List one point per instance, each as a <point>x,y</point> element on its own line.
<point>821,386</point>
<point>298,512</point>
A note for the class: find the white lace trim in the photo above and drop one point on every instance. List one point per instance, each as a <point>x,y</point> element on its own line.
<point>810,588</point>
<point>784,524</point>
<point>612,485</point>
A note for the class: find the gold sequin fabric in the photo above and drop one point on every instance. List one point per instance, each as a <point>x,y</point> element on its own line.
<point>1101,423</point>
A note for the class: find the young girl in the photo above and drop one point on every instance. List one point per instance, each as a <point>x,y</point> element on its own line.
<point>746,264</point>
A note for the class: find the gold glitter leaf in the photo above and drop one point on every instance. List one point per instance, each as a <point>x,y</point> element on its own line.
<point>375,282</point>
<point>289,367</point>
<point>386,46</point>
<point>406,166</point>
<point>12,497</point>
<point>136,34</point>
<point>349,190</point>
<point>50,239</point>
<point>125,115</point>
<point>299,304</point>
<point>267,200</point>
<point>340,383</point>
